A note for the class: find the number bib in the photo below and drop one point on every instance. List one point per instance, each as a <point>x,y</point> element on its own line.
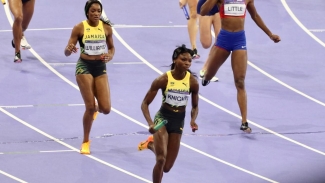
<point>235,8</point>
<point>95,47</point>
<point>176,99</point>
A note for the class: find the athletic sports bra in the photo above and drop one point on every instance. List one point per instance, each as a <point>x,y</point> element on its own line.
<point>93,42</point>
<point>177,91</point>
<point>233,8</point>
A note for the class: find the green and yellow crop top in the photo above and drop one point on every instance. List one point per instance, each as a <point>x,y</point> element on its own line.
<point>177,91</point>
<point>93,42</point>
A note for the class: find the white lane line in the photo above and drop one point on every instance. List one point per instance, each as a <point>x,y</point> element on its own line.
<point>286,85</point>
<point>39,105</point>
<point>16,106</point>
<point>317,30</point>
<point>49,136</point>
<point>293,16</point>
<point>126,63</point>
<point>115,26</point>
<point>71,147</point>
<point>56,151</point>
<point>12,177</point>
<point>35,152</point>
<point>74,63</point>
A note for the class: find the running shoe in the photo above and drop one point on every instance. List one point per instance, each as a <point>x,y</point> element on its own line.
<point>144,144</point>
<point>85,148</point>
<point>214,79</point>
<point>244,127</point>
<point>17,58</point>
<point>23,43</point>
<point>205,82</point>
<point>201,74</point>
<point>195,55</point>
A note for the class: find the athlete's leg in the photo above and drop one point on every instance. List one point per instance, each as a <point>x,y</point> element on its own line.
<point>216,22</point>
<point>216,58</point>
<point>102,92</point>
<point>28,11</point>
<point>205,23</point>
<point>160,149</point>
<point>174,140</point>
<point>192,22</point>
<point>86,86</point>
<point>16,8</point>
<point>239,66</point>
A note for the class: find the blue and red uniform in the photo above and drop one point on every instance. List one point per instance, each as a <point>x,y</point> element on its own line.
<point>232,41</point>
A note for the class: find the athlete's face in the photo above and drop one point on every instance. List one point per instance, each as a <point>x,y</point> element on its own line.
<point>184,61</point>
<point>94,12</point>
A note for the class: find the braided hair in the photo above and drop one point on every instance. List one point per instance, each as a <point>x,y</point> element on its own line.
<point>103,19</point>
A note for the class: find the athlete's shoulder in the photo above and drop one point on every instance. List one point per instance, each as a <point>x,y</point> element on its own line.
<point>80,25</point>
<point>160,82</point>
<point>108,28</point>
<point>194,83</point>
<point>78,29</point>
<point>162,78</point>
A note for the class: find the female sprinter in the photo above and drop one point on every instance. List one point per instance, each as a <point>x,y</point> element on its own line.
<point>232,39</point>
<point>23,11</point>
<point>191,23</point>
<point>94,36</point>
<point>176,85</point>
<point>205,22</point>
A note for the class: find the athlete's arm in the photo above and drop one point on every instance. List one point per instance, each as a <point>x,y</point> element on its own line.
<point>259,22</point>
<point>207,7</point>
<point>195,101</point>
<point>157,84</point>
<point>71,47</point>
<point>109,41</point>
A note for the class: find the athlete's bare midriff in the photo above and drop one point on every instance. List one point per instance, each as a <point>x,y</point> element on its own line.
<point>233,24</point>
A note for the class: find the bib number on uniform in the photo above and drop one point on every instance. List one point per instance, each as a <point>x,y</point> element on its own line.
<point>95,47</point>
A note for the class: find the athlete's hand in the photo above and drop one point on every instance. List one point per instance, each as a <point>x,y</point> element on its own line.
<point>275,38</point>
<point>72,48</point>
<point>194,126</point>
<point>151,129</point>
<point>182,3</point>
<point>106,57</point>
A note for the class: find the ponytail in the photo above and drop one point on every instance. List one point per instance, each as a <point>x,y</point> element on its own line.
<point>105,20</point>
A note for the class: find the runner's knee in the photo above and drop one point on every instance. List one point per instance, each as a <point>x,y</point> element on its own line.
<point>18,18</point>
<point>240,83</point>
<point>160,160</point>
